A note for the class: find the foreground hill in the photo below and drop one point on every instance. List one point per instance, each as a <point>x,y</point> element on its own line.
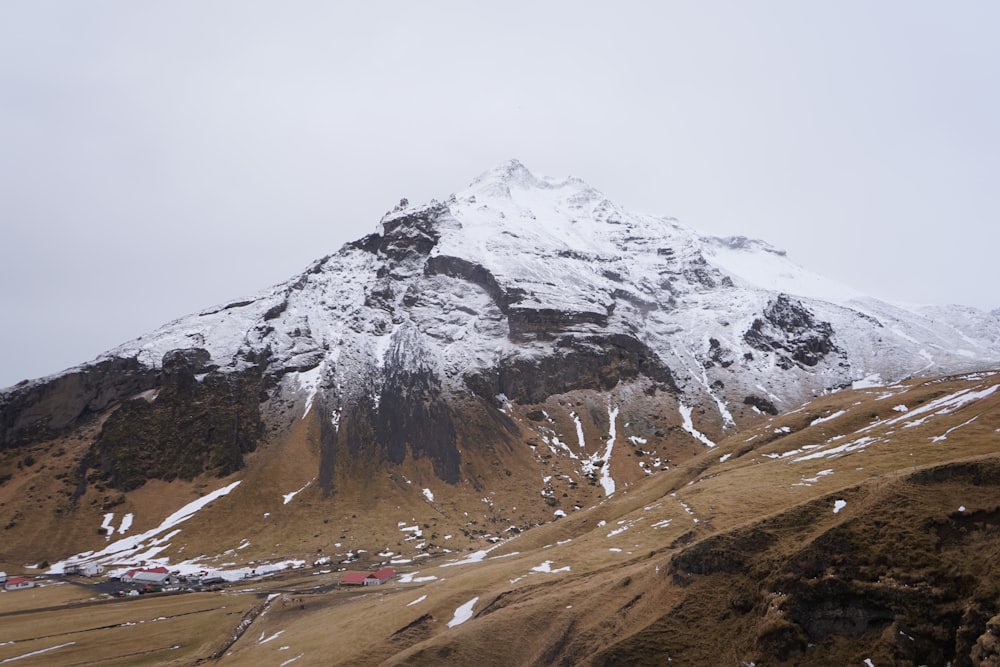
<point>861,526</point>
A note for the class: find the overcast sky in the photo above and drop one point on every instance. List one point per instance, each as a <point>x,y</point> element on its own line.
<point>159,158</point>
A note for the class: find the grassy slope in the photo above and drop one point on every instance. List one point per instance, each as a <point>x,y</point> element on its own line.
<point>707,563</point>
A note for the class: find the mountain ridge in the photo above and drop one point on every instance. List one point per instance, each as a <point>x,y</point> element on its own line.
<point>563,421</point>
<point>520,288</point>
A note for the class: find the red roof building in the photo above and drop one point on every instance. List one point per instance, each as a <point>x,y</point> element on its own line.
<point>18,583</point>
<point>369,579</point>
<point>383,575</point>
<point>145,575</point>
<point>353,579</point>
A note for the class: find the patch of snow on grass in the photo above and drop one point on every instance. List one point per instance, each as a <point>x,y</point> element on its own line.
<point>688,425</point>
<point>474,557</point>
<point>662,524</point>
<point>264,640</point>
<point>428,495</point>
<point>109,530</point>
<point>961,508</point>
<point>944,436</point>
<point>417,533</point>
<point>809,481</point>
<point>547,567</point>
<point>34,653</point>
<point>941,406</point>
<point>607,482</point>
<point>417,601</point>
<point>579,429</point>
<point>851,446</point>
<point>725,457</point>
<point>412,578</point>
<point>126,523</point>
<point>463,613</point>
<point>559,513</point>
<point>830,417</point>
<point>900,408</point>
<point>288,496</point>
<point>135,547</point>
<point>839,505</point>
<point>291,660</point>
<point>873,380</point>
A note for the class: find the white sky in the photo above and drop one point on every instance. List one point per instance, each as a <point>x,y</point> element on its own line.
<point>159,158</point>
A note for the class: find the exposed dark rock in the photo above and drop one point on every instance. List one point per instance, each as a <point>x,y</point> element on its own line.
<point>762,404</point>
<point>549,323</point>
<point>202,421</point>
<point>456,267</point>
<point>41,410</point>
<point>592,362</point>
<point>413,234</point>
<point>719,354</point>
<point>788,329</point>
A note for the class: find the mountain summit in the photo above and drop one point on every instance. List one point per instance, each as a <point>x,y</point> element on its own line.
<point>413,343</point>
<point>539,415</point>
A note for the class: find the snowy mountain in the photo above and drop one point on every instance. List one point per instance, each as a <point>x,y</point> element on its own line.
<point>411,341</point>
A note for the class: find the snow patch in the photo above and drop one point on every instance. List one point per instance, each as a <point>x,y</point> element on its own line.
<point>133,550</point>
<point>833,416</point>
<point>463,613</point>
<point>34,653</point>
<point>288,496</point>
<point>547,567</point>
<point>579,430</point>
<point>607,482</point>
<point>109,530</point>
<point>873,380</point>
<point>688,425</point>
<point>839,505</point>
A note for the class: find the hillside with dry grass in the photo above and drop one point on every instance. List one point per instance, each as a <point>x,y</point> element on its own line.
<point>861,526</point>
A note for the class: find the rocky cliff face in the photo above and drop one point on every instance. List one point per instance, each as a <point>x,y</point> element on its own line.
<point>518,289</point>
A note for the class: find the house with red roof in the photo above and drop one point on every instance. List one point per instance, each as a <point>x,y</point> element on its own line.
<point>369,579</point>
<point>18,583</point>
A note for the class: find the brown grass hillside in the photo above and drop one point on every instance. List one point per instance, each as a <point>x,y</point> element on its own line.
<point>862,526</point>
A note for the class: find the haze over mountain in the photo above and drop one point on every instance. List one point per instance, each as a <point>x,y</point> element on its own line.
<point>159,158</point>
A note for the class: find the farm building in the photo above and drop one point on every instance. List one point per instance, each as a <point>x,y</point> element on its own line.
<point>353,579</point>
<point>18,583</point>
<point>85,569</point>
<point>370,579</point>
<point>157,576</point>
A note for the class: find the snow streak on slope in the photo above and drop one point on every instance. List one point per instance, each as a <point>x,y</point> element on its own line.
<point>137,549</point>
<point>688,425</point>
<point>606,480</point>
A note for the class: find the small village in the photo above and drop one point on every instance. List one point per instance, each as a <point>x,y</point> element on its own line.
<point>140,581</point>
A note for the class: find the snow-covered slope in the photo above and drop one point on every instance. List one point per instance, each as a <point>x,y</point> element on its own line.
<point>522,286</point>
